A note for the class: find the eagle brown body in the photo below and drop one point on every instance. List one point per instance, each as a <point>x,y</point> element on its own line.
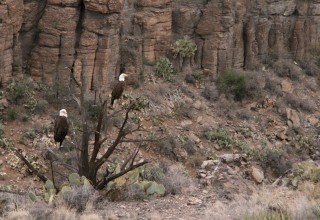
<point>118,89</point>
<point>61,127</point>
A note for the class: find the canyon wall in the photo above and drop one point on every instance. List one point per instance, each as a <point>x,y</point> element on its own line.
<point>49,39</point>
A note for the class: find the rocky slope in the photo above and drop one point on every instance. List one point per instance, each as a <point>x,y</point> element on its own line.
<point>42,38</point>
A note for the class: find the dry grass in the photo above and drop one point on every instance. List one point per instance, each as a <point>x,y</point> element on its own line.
<point>268,203</point>
<point>287,68</point>
<point>175,179</point>
<point>18,215</point>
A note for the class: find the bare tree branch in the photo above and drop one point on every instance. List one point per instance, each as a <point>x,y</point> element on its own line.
<point>97,135</point>
<point>50,155</point>
<point>132,157</point>
<point>34,170</point>
<point>101,184</point>
<point>121,134</point>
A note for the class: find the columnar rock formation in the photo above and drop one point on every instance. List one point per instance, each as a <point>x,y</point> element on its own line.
<point>48,38</point>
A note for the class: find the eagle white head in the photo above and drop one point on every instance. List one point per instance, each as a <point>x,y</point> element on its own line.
<point>63,112</point>
<point>122,77</point>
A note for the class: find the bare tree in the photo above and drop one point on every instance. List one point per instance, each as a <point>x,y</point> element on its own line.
<point>89,163</point>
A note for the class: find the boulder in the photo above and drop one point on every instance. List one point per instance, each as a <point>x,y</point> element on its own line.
<point>257,174</point>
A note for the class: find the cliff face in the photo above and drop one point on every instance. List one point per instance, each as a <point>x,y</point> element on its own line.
<point>42,38</point>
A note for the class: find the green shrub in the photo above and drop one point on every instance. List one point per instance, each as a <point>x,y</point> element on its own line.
<point>221,137</point>
<point>232,83</point>
<point>94,111</point>
<point>31,134</point>
<point>12,114</point>
<point>37,106</point>
<point>16,92</point>
<point>164,68</point>
<point>185,48</point>
<point>2,127</point>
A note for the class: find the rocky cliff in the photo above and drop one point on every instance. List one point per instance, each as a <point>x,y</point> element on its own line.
<point>42,38</point>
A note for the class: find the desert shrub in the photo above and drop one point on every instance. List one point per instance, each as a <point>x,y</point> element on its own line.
<point>37,106</point>
<point>244,114</point>
<point>211,93</point>
<point>184,48</point>
<point>196,159</point>
<point>269,214</point>
<point>12,114</point>
<point>183,110</point>
<point>306,105</point>
<point>3,140</point>
<point>274,160</point>
<point>138,102</point>
<point>2,128</point>
<point>79,197</point>
<point>16,92</point>
<point>285,68</point>
<point>134,192</point>
<point>19,214</point>
<point>306,171</point>
<point>63,213</point>
<point>93,111</point>
<point>174,177</point>
<point>254,84</point>
<point>311,62</point>
<point>31,134</point>
<point>232,83</point>
<point>273,87</point>
<point>50,95</point>
<point>164,68</point>
<point>221,137</point>
<point>167,147</point>
<point>310,67</point>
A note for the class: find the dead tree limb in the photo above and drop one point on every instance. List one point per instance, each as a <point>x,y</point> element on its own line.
<point>97,135</point>
<point>34,170</point>
<point>131,158</point>
<point>101,184</point>
<point>121,134</point>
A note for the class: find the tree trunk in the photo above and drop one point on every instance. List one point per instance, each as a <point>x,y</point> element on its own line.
<point>84,153</point>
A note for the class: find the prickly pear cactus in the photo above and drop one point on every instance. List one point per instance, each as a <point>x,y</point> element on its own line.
<point>156,189</point>
<point>74,179</point>
<point>32,196</point>
<point>50,192</point>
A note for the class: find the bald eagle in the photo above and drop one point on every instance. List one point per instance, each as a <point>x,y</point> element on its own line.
<point>61,126</point>
<point>119,88</point>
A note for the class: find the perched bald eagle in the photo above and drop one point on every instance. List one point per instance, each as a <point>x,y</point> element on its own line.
<point>61,126</point>
<point>119,88</point>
